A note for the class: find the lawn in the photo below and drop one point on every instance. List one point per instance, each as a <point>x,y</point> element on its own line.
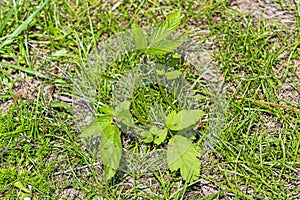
<point>62,63</point>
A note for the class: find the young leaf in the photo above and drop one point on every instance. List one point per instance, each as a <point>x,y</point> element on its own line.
<point>182,154</point>
<point>94,128</point>
<point>139,38</point>
<point>183,119</point>
<point>160,72</point>
<point>166,28</point>
<point>110,149</point>
<point>176,56</point>
<point>123,114</point>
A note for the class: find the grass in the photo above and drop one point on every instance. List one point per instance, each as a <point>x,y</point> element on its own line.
<point>256,155</point>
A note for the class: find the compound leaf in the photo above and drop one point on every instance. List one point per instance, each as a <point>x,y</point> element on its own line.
<point>182,154</point>
<point>166,28</point>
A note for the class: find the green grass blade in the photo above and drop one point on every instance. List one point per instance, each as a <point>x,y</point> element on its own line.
<point>29,71</point>
<point>23,26</point>
<point>8,16</point>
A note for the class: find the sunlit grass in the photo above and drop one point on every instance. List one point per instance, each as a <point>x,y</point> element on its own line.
<point>256,155</point>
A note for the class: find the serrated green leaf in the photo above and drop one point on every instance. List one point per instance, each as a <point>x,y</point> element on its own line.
<point>96,126</point>
<point>166,28</point>
<point>123,114</point>
<point>173,75</point>
<point>139,38</point>
<point>164,47</point>
<point>182,154</point>
<point>172,21</point>
<point>110,148</point>
<point>173,120</point>
<point>183,119</point>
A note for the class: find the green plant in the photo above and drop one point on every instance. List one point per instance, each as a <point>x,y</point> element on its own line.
<point>257,156</point>
<point>182,154</point>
